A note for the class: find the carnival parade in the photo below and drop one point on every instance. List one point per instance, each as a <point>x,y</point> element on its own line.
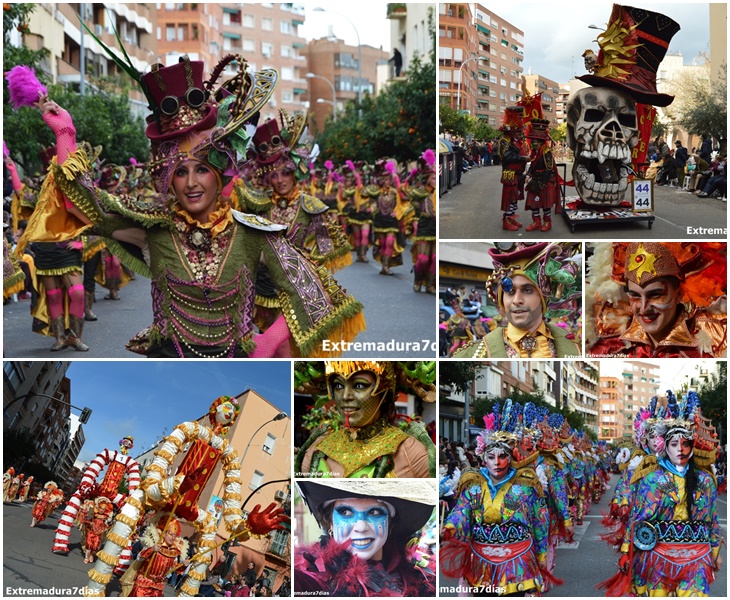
<point>250,219</point>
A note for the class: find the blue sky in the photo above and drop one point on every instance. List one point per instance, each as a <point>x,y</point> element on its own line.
<point>141,398</point>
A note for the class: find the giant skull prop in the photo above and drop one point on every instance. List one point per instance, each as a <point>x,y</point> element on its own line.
<point>602,130</point>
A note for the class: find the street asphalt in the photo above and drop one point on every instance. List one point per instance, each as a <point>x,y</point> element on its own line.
<point>472,211</point>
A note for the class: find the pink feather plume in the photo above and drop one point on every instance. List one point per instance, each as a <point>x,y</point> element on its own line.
<point>350,165</point>
<point>6,152</point>
<point>24,86</point>
<point>133,161</point>
<point>429,156</point>
<point>489,422</point>
<point>328,165</point>
<point>390,167</point>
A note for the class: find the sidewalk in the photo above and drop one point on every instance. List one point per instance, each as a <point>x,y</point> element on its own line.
<point>471,211</point>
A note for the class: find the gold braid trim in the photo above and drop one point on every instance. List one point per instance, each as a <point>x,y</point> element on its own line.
<point>132,501</point>
<point>265,302</point>
<point>232,496</point>
<point>122,518</point>
<point>647,465</point>
<point>256,200</point>
<point>108,558</point>
<point>99,578</point>
<point>165,454</point>
<point>117,539</point>
<point>155,469</point>
<point>197,576</point>
<point>231,511</point>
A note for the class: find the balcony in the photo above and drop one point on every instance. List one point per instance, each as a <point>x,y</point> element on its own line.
<point>396,10</point>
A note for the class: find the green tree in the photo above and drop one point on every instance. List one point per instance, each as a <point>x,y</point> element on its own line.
<point>15,16</point>
<point>713,394</point>
<point>560,133</point>
<point>458,374</point>
<point>700,103</point>
<point>456,123</point>
<point>18,446</point>
<point>484,131</point>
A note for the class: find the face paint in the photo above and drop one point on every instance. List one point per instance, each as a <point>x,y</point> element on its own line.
<point>679,451</point>
<point>355,399</point>
<point>497,462</point>
<point>654,306</point>
<point>364,522</point>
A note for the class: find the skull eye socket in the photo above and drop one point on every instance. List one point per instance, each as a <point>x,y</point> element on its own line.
<point>594,115</point>
<point>627,120</point>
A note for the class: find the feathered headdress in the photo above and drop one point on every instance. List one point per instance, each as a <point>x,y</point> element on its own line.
<point>500,428</point>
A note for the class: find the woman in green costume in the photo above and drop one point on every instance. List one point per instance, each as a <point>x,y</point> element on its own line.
<point>201,255</point>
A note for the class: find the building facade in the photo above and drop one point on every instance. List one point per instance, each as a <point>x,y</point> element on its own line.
<point>611,406</point>
<point>551,96</point>
<point>409,32</point>
<point>640,382</point>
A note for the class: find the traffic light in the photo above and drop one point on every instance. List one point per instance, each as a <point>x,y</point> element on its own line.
<point>85,414</point>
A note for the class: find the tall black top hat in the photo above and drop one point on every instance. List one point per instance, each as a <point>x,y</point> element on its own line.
<point>632,47</point>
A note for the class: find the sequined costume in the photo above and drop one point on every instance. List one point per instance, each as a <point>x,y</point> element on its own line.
<point>153,570</point>
<point>202,275</point>
<point>485,515</point>
<point>380,448</point>
<point>96,528</point>
<point>307,219</point>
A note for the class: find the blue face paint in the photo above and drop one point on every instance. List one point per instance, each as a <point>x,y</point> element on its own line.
<point>364,522</point>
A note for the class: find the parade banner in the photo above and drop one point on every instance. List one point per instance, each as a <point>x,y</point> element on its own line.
<point>645,115</point>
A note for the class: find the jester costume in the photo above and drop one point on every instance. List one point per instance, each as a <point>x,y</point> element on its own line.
<point>379,448</point>
<point>514,160</point>
<point>699,327</point>
<point>353,208</point>
<point>542,189</point>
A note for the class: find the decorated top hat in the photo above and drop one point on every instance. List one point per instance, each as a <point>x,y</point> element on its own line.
<point>279,143</point>
<point>180,101</point>
<point>537,129</point>
<point>632,47</point>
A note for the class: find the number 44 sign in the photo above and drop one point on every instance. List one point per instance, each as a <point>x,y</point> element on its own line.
<point>642,195</point>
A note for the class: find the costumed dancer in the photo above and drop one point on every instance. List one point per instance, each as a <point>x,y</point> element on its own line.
<point>46,501</point>
<point>163,551</point>
<point>420,188</point>
<point>370,443</point>
<point>369,532</point>
<point>647,444</point>
<point>552,475</point>
<point>324,186</point>
<point>177,493</point>
<point>657,299</point>
<point>496,535</point>
<point>14,487</point>
<point>203,256</point>
<point>388,209</point>
<point>7,480</point>
<point>514,160</point>
<point>542,177</point>
<point>354,210</point>
<point>460,329</point>
<point>281,163</point>
<point>25,489</point>
<point>97,526</point>
<point>673,540</point>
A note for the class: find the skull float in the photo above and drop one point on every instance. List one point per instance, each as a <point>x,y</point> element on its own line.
<point>602,131</point>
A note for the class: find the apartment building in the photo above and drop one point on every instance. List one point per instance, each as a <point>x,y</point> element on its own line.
<point>640,383</point>
<point>551,95</point>
<point>611,407</point>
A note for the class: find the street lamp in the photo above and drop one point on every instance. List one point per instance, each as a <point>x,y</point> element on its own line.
<point>458,89</point>
<point>359,51</point>
<point>334,94</point>
<point>279,417</point>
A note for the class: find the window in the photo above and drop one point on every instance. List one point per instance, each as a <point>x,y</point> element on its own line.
<point>248,21</point>
<point>493,93</point>
<point>279,540</point>
<point>226,18</point>
<point>170,33</point>
<point>287,74</point>
<point>256,480</point>
<point>492,79</point>
<point>180,33</point>
<point>503,95</point>
<point>267,49</point>
<point>249,46</point>
<point>269,444</point>
<point>503,82</point>
<point>287,96</point>
<point>287,51</point>
<point>267,24</point>
<point>285,27</point>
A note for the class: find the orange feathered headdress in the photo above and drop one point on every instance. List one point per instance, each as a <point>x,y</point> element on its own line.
<point>700,266</point>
